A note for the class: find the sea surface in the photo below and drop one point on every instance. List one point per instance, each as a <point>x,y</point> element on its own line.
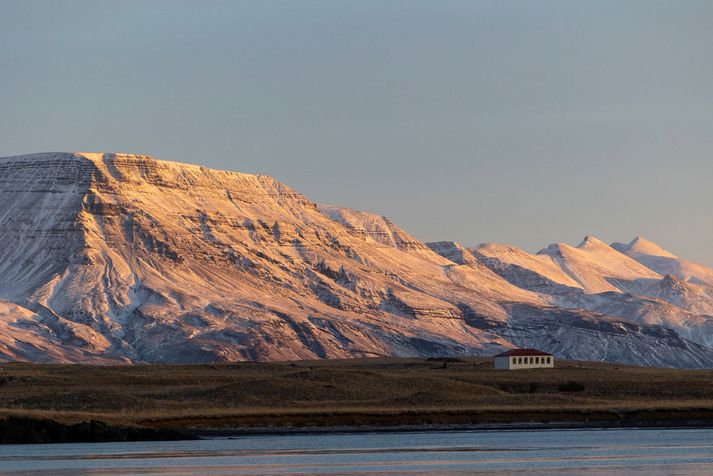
<point>590,451</point>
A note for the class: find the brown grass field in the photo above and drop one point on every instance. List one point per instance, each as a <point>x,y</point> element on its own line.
<point>371,393</point>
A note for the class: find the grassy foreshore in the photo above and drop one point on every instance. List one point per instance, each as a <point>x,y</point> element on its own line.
<point>172,401</point>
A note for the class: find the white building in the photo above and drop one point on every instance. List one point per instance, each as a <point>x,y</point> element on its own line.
<point>524,359</point>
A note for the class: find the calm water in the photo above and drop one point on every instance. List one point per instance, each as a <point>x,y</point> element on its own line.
<point>630,451</point>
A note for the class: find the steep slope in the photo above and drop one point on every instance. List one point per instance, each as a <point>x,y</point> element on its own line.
<point>120,257</point>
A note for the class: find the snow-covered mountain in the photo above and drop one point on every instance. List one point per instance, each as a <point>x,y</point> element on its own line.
<point>597,267</point>
<point>600,278</point>
<point>119,257</point>
<point>661,261</point>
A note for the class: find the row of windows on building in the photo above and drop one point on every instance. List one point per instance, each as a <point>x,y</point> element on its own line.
<point>531,360</point>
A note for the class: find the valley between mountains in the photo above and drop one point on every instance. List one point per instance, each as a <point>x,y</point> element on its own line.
<point>111,258</point>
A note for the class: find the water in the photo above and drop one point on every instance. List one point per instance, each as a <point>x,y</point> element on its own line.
<point>596,452</point>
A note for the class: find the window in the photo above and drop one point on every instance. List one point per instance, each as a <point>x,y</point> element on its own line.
<point>537,360</point>
<point>548,360</point>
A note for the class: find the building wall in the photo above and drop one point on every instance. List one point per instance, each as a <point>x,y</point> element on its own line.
<point>528,362</point>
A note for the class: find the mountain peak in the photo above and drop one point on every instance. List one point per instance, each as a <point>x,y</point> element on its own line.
<point>670,280</point>
<point>590,241</point>
<point>556,249</point>
<point>643,246</point>
<point>497,247</point>
<point>553,249</point>
<point>453,251</point>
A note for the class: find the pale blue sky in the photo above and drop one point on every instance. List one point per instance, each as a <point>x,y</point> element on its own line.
<point>524,122</point>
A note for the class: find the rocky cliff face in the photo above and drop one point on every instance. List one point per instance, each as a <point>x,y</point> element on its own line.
<point>116,257</point>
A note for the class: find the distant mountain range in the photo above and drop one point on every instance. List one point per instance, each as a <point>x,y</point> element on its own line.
<point>125,258</point>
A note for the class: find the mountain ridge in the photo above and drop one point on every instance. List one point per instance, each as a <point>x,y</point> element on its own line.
<point>126,258</point>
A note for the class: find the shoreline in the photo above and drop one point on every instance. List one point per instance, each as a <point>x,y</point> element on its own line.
<point>520,426</point>
<point>415,419</point>
<point>45,431</point>
<point>27,430</point>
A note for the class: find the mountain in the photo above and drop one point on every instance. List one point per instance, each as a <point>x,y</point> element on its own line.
<point>597,267</point>
<point>125,258</point>
<point>685,284</point>
<point>528,271</point>
<point>596,277</point>
<point>658,259</point>
<point>129,258</point>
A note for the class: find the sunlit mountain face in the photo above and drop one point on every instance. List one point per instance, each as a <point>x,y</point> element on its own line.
<point>125,258</point>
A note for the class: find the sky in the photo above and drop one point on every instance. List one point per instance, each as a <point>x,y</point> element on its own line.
<point>522,122</point>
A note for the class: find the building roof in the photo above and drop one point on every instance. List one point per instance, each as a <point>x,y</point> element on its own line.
<point>521,352</point>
